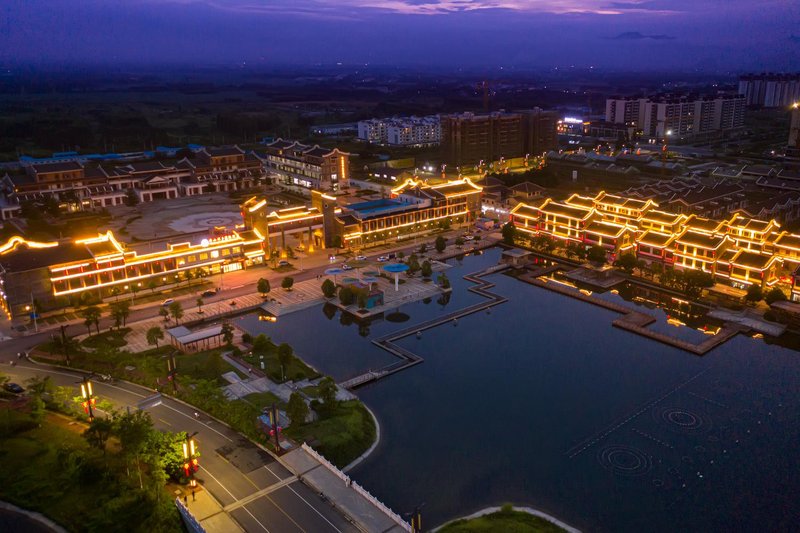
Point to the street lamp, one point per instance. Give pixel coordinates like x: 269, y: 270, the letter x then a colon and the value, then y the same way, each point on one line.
x: 89, y: 399
x: 190, y: 464
x: 172, y: 372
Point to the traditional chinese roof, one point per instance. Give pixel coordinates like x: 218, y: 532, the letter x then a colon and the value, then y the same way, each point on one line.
x: 789, y: 241
x: 525, y: 211
x: 705, y: 225
x: 752, y: 260
x: 564, y: 210
x: 656, y: 239
x: 751, y: 224
x: 578, y: 200
x: 701, y: 240
x: 662, y: 217
x: 620, y: 201
x: 606, y: 229
x: 44, y: 168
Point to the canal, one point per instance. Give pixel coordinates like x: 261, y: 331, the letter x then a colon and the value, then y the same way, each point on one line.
x: 541, y: 402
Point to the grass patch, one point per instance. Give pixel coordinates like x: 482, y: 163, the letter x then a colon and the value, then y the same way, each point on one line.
x: 506, y: 520
x: 296, y: 369
x: 51, y: 469
x: 263, y: 399
x: 341, y: 436
x: 115, y: 338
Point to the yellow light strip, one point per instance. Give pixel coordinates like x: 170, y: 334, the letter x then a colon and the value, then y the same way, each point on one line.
x: 16, y: 240
x: 258, y: 206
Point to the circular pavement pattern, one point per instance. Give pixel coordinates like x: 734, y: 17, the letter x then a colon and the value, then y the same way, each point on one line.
x: 204, y: 221
x: 625, y: 461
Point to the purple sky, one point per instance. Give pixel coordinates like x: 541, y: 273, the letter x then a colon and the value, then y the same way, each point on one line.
x: 627, y: 34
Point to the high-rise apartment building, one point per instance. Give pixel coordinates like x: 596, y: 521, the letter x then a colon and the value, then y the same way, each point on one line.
x: 770, y: 90
x: 678, y: 116
x: 405, y: 131
x: 468, y: 138
x: 794, y: 128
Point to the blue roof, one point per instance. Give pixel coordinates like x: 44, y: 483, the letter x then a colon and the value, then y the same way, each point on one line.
x: 374, y: 206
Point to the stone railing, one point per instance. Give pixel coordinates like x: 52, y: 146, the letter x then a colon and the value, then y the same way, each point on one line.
x: 188, y: 518
x: 358, y: 488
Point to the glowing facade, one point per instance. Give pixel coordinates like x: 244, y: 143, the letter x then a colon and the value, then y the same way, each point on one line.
x: 739, y: 250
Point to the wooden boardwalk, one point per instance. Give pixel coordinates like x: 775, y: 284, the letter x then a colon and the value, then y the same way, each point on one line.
x: 407, y: 358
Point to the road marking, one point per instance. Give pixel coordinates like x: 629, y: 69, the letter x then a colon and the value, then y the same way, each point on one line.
x: 256, y: 495
x: 315, y: 509
x: 203, y: 423
x: 285, y: 513
x: 207, y: 471
x: 77, y: 375
x: 256, y: 519
x: 164, y: 421
x: 273, y: 473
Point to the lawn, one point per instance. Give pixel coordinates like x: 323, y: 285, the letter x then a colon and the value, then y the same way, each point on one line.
x: 115, y: 338
x: 506, y: 520
x: 296, y: 369
x: 51, y: 469
x: 341, y: 437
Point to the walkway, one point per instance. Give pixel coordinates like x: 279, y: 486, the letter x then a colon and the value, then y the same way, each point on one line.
x: 407, y: 358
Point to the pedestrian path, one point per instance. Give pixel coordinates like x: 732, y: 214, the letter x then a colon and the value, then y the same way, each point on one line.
x: 204, y: 510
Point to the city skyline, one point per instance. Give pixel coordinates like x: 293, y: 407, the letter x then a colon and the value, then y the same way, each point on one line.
x: 710, y: 35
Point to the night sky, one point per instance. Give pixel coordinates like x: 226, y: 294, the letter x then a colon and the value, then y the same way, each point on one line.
x: 713, y: 35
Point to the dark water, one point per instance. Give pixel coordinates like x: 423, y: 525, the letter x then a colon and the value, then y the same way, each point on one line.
x: 543, y: 403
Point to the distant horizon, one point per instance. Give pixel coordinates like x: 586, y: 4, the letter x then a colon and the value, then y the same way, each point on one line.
x: 712, y: 36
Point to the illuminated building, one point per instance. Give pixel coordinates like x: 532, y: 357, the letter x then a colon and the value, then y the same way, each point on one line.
x: 770, y: 90
x: 415, y: 207
x: 299, y: 166
x: 401, y: 131
x: 794, y: 127
x: 738, y: 250
x: 284, y: 228
x: 53, y: 274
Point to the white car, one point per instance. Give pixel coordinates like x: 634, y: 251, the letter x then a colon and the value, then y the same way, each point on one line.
x: 345, y: 266
x: 383, y: 259
x: 167, y: 302
x: 361, y: 258
x: 468, y: 237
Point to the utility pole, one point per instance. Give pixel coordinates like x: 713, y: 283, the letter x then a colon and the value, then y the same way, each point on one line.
x: 276, y: 429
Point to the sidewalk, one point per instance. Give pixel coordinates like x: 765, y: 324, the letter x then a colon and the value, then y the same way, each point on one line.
x: 207, y: 512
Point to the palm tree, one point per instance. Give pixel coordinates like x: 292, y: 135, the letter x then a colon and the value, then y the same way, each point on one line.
x: 199, y: 303
x: 176, y: 310
x: 154, y: 335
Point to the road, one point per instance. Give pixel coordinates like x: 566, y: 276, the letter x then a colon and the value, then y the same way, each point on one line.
x: 261, y: 493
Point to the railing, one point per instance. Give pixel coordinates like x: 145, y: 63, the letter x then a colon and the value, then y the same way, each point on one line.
x: 188, y: 518
x: 358, y: 488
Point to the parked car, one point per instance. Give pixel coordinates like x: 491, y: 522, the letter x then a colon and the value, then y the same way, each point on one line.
x: 209, y: 293
x: 345, y: 266
x: 383, y: 259
x: 167, y: 302
x: 283, y: 263
x: 13, y: 387
x: 361, y: 258
x: 468, y: 237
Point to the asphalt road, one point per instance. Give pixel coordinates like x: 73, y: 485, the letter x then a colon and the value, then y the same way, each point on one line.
x: 232, y: 469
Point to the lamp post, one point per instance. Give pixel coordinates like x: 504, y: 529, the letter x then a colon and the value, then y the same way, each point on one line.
x: 190, y: 464
x: 89, y: 399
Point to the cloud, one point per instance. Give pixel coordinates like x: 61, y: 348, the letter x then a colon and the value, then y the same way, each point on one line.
x: 636, y: 36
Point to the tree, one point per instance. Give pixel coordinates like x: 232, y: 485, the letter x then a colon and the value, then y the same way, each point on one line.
x: 459, y: 242
x: 98, y: 432
x: 346, y: 295
x: 284, y: 358
x: 440, y: 244
x: 627, y: 262
x: 423, y: 248
x: 444, y: 281
x: 426, y: 269
x: 263, y: 286
x: 130, y: 198
x: 90, y: 315
x: 296, y: 409
x: 336, y: 242
x: 154, y: 335
x: 327, y: 392
x: 152, y: 283
x: 328, y: 288
x: 120, y: 311
x: 509, y: 233
x: 227, y: 333
x: 694, y: 281
x: 597, y: 254
x: 164, y: 312
x: 413, y: 265
x: 287, y: 283
x: 775, y: 295
x: 754, y: 294
x: 261, y: 344
x: 176, y: 310
x: 214, y: 366
x: 361, y: 297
